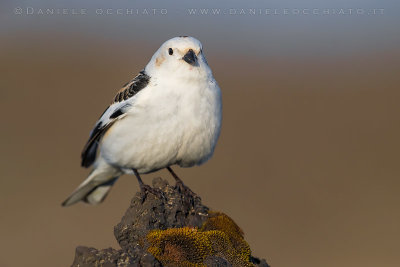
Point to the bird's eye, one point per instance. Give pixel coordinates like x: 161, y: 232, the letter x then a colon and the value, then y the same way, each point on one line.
x: 170, y: 51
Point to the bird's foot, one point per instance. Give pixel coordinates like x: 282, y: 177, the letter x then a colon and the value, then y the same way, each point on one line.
x: 148, y: 189
x: 183, y: 188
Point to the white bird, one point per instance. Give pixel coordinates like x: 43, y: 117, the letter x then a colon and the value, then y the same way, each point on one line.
x: 170, y: 113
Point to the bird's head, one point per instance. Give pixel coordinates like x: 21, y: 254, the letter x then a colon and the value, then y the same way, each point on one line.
x: 179, y: 57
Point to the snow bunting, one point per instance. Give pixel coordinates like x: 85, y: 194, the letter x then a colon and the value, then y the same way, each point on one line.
x: 170, y: 113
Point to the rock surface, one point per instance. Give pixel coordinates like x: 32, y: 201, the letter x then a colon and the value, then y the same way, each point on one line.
x: 176, y: 207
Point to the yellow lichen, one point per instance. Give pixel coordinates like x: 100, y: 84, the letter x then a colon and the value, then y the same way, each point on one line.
x: 189, y: 247
x: 177, y: 246
x: 239, y: 250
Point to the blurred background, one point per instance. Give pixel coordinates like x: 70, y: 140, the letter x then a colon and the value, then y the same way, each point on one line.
x: 308, y: 159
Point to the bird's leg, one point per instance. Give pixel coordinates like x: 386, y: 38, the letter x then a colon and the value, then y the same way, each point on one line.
x: 179, y: 182
x: 177, y: 179
x: 146, y: 188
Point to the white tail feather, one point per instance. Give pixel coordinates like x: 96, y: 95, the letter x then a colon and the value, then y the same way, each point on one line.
x: 93, y: 190
x: 98, y: 195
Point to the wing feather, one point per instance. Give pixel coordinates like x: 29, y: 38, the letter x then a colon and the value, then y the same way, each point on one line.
x: 90, y: 150
x: 116, y: 111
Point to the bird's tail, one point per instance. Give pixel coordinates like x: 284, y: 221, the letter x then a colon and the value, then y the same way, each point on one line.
x: 93, y: 190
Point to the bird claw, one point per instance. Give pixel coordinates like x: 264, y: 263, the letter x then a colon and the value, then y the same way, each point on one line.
x: 183, y: 188
x: 148, y: 189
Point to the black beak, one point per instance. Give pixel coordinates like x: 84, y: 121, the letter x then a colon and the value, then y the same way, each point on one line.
x: 190, y: 57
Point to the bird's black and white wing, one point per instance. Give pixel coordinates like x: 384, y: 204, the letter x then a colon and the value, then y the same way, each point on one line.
x: 114, y: 112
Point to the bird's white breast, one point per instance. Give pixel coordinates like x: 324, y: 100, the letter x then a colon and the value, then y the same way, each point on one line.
x: 169, y: 123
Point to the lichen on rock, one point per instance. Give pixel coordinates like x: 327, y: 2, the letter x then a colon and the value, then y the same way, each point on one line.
x: 218, y: 236
x: 173, y: 230
x: 180, y: 246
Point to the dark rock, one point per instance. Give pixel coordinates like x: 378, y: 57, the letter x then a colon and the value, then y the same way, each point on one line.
x: 177, y: 207
x: 258, y: 262
x: 215, y: 261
